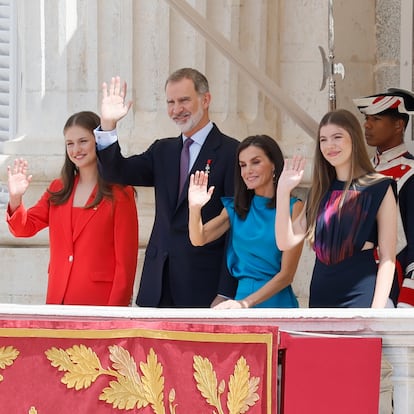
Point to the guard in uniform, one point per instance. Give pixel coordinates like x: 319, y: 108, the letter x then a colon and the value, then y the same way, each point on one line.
x: 386, y: 118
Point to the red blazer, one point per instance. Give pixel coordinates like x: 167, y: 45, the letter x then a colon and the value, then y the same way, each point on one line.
x: 93, y: 255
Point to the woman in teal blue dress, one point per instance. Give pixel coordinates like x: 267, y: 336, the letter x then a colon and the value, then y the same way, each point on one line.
x: 263, y: 272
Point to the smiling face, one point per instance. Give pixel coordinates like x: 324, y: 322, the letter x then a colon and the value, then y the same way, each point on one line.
x: 257, y: 170
x: 80, y: 146
x: 335, y: 144
x: 187, y: 108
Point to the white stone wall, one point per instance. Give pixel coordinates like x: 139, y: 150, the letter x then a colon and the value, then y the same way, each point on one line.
x: 67, y: 48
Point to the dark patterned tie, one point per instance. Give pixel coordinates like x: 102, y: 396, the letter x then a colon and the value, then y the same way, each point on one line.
x: 185, y: 162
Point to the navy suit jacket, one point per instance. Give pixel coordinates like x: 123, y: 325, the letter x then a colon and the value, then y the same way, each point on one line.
x: 196, y: 274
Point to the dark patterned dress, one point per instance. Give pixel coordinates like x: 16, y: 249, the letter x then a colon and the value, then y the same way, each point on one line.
x: 344, y: 275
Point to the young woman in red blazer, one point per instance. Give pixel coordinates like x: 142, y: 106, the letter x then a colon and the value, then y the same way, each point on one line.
x: 93, y: 226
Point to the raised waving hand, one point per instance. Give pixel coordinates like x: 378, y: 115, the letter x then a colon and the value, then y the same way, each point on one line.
x: 289, y: 234
x: 18, y: 182
x: 292, y: 174
x: 113, y: 106
x: 198, y: 194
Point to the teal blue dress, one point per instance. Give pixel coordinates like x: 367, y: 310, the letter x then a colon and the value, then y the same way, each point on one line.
x: 252, y: 254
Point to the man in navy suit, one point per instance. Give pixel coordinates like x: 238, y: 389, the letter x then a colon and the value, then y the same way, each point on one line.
x: 175, y: 273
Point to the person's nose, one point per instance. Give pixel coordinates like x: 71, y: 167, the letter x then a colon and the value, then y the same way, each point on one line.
x: 250, y: 169
x: 177, y: 108
x: 367, y: 124
x: 330, y: 143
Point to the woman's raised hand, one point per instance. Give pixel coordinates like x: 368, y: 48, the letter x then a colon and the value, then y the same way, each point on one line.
x: 198, y: 195
x: 113, y: 107
x: 292, y: 173
x: 18, y: 180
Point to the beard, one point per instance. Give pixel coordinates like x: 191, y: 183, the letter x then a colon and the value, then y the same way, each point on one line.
x: 191, y: 122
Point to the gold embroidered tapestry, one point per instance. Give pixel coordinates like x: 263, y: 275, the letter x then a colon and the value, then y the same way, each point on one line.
x: 75, y: 367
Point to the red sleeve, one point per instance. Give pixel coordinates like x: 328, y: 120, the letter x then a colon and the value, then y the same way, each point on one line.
x: 126, y: 246
x: 26, y: 223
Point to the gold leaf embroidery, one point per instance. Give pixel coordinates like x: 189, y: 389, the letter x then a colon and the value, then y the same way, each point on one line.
x: 171, y: 398
x: 124, y: 363
x: 59, y: 359
x: 124, y: 394
x: 242, y: 389
x: 32, y: 410
x: 253, y: 397
x: 153, y: 382
x: 7, y: 356
x: 207, y: 381
x: 82, y: 368
x: 222, y: 386
x: 238, y: 387
x: 130, y: 390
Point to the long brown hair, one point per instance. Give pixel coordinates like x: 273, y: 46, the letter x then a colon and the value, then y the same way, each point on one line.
x: 88, y: 120
x: 324, y: 173
x: 242, y: 195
